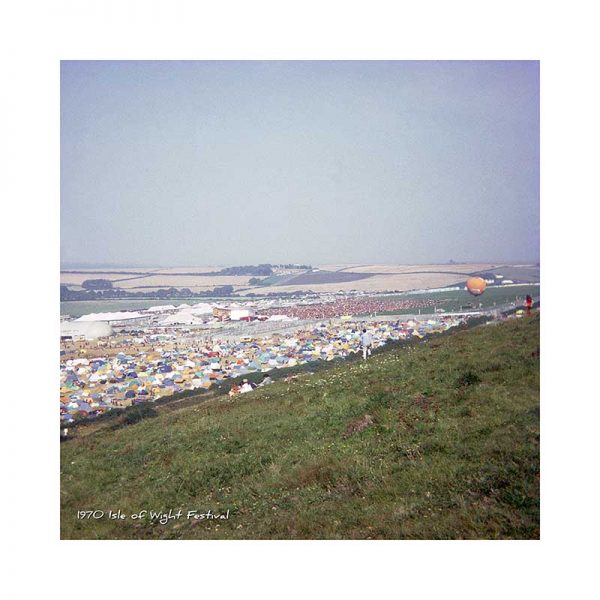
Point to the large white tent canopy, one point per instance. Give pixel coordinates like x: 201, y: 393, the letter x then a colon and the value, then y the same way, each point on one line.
x: 111, y: 316
x: 91, y: 330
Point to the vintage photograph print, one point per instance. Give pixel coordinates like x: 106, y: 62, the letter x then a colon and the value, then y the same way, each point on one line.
x: 299, y: 300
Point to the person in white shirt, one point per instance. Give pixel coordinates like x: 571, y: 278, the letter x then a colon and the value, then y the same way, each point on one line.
x: 366, y: 341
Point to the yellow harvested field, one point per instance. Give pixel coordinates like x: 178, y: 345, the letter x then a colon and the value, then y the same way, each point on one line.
x: 78, y: 278
x: 98, y: 271
x: 337, y: 267
x: 193, y: 288
x: 189, y: 269
x: 125, y: 281
x: 377, y: 283
x: 462, y: 268
x: 184, y: 281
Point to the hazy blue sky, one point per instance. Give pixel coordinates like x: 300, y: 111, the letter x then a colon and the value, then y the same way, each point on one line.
x: 199, y: 163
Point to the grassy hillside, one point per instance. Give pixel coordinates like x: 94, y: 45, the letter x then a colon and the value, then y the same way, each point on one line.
x: 435, y: 441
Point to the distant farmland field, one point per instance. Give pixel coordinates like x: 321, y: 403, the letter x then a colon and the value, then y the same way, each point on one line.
x: 76, y: 279
x: 381, y: 278
x: 333, y: 278
x: 324, y: 277
x: 156, y: 280
x: 185, y: 281
x: 391, y: 269
x: 378, y: 283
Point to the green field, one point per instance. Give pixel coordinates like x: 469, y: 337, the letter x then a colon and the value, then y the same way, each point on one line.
x: 439, y: 440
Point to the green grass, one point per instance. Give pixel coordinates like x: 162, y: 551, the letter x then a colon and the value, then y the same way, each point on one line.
x: 450, y: 451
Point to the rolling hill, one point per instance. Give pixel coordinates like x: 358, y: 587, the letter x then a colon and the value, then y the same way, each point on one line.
x: 438, y: 440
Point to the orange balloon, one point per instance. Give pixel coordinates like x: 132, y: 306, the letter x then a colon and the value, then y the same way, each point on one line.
x: 476, y: 285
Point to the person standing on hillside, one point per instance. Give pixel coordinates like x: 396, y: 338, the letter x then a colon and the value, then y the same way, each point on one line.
x: 366, y: 341
x: 528, y: 304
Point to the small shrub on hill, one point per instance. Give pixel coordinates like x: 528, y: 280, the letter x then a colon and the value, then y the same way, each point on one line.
x: 137, y: 413
x: 467, y: 378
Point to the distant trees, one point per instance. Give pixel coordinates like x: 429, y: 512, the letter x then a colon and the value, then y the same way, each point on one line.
x: 97, y: 284
x: 264, y: 270
x: 223, y: 290
x: 67, y: 294
x: 257, y: 281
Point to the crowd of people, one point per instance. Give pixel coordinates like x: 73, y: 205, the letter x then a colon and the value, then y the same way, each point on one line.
x: 350, y: 306
x: 248, y: 386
